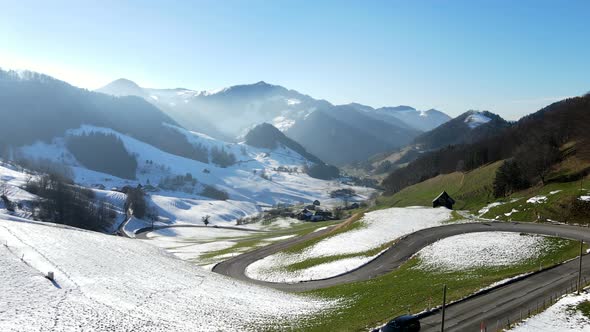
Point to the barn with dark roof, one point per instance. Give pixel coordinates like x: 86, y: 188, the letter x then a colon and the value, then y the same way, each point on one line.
x: 443, y: 200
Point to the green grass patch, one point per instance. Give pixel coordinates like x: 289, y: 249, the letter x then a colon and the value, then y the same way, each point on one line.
x: 410, y: 289
x: 470, y: 190
x: 584, y: 308
x: 555, y: 207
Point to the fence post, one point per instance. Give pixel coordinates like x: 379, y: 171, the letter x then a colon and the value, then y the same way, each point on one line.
x: 580, y: 269
x: 442, y: 321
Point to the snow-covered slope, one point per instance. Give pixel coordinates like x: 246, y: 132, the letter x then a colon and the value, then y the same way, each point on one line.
x: 108, y: 283
x: 479, y: 250
x: 476, y: 119
x: 421, y: 120
x: 234, y: 110
x: 228, y: 112
x: 252, y: 183
x: 376, y: 229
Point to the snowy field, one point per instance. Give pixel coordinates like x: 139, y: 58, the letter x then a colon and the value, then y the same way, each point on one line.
x: 200, y: 244
x: 248, y: 191
x: 478, y: 250
x: 376, y: 229
x: 12, y: 181
x: 562, y: 316
x: 110, y: 283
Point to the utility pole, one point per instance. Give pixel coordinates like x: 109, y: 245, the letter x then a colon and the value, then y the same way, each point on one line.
x: 580, y: 268
x: 442, y: 320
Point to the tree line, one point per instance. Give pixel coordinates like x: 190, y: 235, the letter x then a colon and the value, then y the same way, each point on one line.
x: 62, y: 202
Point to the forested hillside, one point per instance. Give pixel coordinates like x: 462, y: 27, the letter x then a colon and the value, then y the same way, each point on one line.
x: 37, y: 107
x: 534, y: 144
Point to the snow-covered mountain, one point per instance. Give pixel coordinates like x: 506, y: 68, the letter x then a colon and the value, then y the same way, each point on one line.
x: 225, y: 113
x: 112, y: 143
x: 252, y: 104
x: 342, y: 134
x: 229, y: 113
x: 466, y: 128
x: 419, y: 120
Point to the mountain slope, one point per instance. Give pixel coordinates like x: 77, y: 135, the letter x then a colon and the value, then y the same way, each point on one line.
x: 38, y: 107
x: 233, y: 111
x: 268, y: 137
x: 172, y: 101
x: 335, y: 141
x: 229, y: 112
x: 536, y: 143
x: 409, y: 116
x: 111, y: 283
x: 468, y: 127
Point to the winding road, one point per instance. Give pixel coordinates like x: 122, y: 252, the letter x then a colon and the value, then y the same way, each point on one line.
x: 393, y: 257
x: 493, y: 309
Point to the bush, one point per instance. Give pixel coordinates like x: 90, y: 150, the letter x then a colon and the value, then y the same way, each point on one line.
x: 343, y: 193
x: 136, y: 202
x: 222, y: 158
x: 214, y: 193
x: 184, y: 183
x: 576, y: 210
x: 323, y: 171
x: 7, y: 203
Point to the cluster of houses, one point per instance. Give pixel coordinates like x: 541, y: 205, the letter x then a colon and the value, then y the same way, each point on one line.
x: 313, y: 212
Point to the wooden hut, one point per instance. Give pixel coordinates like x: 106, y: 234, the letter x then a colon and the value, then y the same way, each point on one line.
x: 443, y: 200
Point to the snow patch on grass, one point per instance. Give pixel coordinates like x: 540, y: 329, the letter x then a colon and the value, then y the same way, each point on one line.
x: 562, y: 316
x: 488, y: 207
x: 376, y: 229
x: 480, y: 250
x: 270, y: 268
x: 537, y: 200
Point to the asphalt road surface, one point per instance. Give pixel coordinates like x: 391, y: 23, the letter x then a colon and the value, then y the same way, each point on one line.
x: 493, y: 310
x: 392, y: 258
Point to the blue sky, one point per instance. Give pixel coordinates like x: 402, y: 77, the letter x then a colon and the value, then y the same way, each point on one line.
x: 509, y: 57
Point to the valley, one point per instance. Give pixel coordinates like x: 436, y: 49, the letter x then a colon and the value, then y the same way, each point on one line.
x: 258, y: 208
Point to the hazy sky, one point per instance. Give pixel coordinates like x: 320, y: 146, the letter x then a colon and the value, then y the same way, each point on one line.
x: 509, y: 57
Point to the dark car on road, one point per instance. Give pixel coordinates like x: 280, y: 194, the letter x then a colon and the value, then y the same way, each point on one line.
x: 405, y: 323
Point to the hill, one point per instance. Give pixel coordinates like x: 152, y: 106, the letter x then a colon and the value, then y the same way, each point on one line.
x: 470, y: 190
x: 38, y: 107
x: 268, y: 137
x: 545, y: 152
x: 466, y: 128
x: 229, y: 113
x: 143, y: 289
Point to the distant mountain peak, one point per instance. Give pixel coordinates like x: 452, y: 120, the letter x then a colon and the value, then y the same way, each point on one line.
x: 122, y: 87
x: 401, y: 108
x: 124, y: 81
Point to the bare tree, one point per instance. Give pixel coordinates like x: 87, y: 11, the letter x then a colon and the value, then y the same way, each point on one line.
x: 205, y: 220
